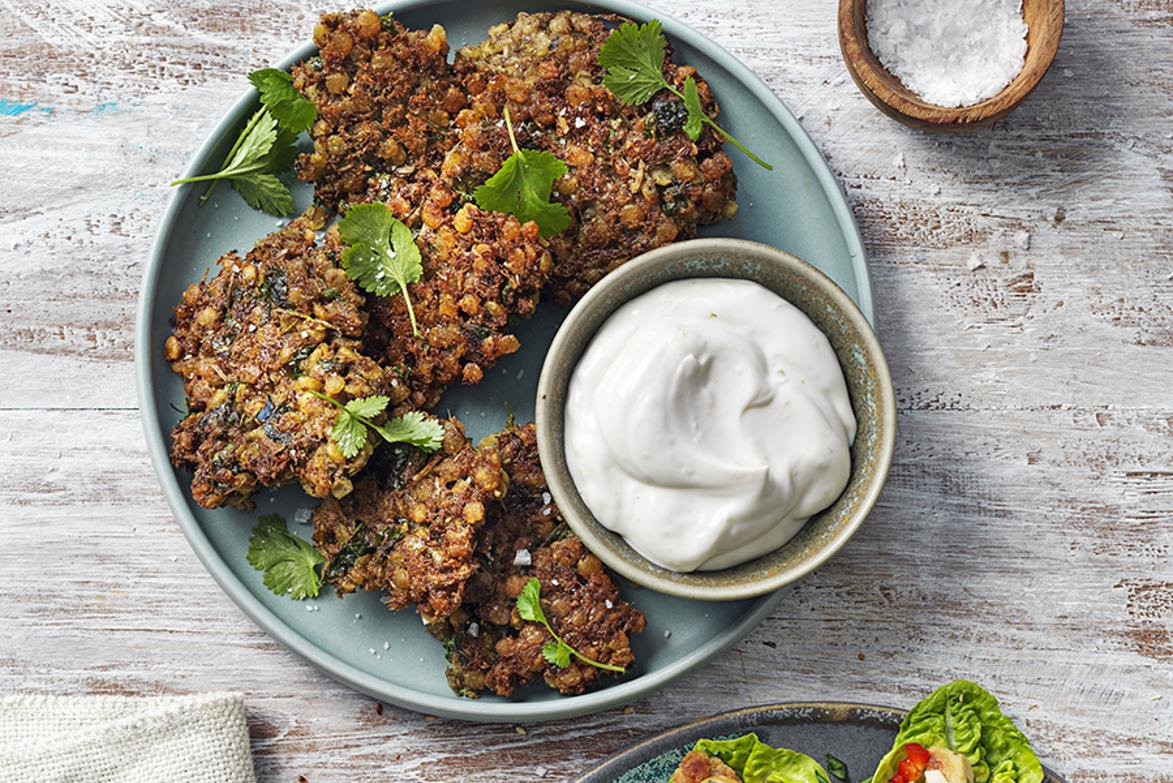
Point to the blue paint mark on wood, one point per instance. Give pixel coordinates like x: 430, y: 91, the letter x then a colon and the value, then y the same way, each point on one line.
x: 14, y: 109
x: 107, y: 107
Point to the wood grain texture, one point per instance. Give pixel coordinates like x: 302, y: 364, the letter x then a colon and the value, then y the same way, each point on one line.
x: 1025, y: 535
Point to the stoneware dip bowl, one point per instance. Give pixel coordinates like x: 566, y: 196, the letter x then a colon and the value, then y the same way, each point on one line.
x: 864, y: 367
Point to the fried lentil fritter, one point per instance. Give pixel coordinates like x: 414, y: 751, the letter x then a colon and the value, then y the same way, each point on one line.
x: 443, y: 533
x: 395, y: 119
x: 480, y: 271
x: 635, y: 180
x: 385, y: 98
x: 409, y: 527
x: 490, y: 646
x: 698, y: 767
x: 249, y: 344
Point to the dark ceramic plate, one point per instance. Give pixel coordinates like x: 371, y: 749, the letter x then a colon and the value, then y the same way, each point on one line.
x: 857, y: 734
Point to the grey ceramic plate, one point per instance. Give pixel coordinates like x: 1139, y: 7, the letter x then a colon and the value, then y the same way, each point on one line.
x: 857, y: 734
x: 798, y: 208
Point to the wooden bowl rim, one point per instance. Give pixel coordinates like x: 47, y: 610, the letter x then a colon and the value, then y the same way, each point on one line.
x: 892, y: 97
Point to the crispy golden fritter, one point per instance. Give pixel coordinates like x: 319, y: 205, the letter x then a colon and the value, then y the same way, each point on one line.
x: 409, y: 527
x: 385, y: 98
x: 698, y: 767
x: 635, y: 180
x: 444, y: 532
x: 480, y: 271
x: 386, y: 101
x: 250, y: 343
x: 490, y: 646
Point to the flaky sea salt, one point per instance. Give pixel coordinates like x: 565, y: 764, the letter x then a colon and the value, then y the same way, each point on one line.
x: 949, y: 52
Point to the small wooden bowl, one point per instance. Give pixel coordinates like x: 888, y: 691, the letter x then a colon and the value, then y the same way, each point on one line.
x: 1044, y: 21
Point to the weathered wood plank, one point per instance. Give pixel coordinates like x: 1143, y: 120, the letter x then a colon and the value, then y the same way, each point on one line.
x: 1064, y: 607
x: 1035, y: 448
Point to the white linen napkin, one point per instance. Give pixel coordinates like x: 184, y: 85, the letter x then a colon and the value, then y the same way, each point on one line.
x: 116, y: 739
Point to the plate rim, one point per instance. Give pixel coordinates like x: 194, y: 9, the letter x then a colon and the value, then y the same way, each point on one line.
x: 287, y: 635
x: 614, y: 760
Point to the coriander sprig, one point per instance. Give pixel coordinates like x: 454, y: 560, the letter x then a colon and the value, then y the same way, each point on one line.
x: 262, y: 150
x: 557, y: 651
x: 266, y: 146
x: 355, y: 419
x: 633, y: 61
x: 382, y: 256
x: 291, y: 565
x: 522, y: 187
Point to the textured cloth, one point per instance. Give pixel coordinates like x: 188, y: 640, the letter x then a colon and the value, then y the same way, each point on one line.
x: 116, y: 739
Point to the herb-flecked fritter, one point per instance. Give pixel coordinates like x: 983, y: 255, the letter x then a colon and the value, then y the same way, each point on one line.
x: 385, y: 98
x: 457, y: 534
x: 410, y: 526
x: 635, y: 180
x: 490, y: 646
x: 249, y: 344
x: 480, y: 271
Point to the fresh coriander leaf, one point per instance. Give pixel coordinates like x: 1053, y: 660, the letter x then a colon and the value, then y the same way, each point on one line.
x: 382, y: 256
x: 633, y: 56
x: 290, y: 564
x: 413, y: 428
x: 633, y: 70
x: 550, y: 652
x: 259, y: 153
x: 557, y: 652
x: 522, y: 187
x: 529, y: 604
x: 266, y: 193
x: 293, y: 112
x: 350, y: 433
x: 836, y: 767
x: 354, y: 419
x: 368, y: 407
x: 696, y: 115
x: 255, y: 145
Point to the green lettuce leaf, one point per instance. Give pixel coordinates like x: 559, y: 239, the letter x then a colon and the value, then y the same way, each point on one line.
x: 965, y: 718
x: 757, y: 762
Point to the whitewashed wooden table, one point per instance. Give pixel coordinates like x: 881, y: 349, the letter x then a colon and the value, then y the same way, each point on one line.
x: 1025, y: 535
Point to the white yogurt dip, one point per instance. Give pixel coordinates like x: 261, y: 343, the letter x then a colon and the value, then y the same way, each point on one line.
x: 706, y: 422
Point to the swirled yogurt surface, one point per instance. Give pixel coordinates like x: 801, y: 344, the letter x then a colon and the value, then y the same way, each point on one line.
x: 706, y: 422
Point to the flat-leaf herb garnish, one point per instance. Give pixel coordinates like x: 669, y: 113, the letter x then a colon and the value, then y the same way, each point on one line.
x: 293, y: 112
x: 292, y: 566
x: 522, y: 187
x: 382, y: 256
x: 266, y: 146
x: 633, y: 61
x: 355, y: 418
x: 261, y: 151
x: 556, y: 651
